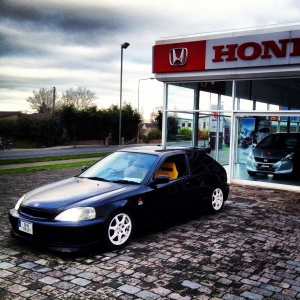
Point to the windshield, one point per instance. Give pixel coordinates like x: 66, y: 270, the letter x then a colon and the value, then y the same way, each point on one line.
x: 279, y: 141
x: 121, y: 167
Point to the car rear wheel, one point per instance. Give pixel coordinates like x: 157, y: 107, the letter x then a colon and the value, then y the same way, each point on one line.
x: 119, y: 229
x: 216, y: 200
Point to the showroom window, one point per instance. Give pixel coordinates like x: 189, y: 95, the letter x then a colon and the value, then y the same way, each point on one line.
x: 232, y: 117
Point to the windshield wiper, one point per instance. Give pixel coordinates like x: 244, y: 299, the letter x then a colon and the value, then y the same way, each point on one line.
x: 95, y: 178
x: 125, y: 181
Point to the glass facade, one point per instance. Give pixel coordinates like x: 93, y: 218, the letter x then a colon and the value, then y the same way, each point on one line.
x: 231, y: 118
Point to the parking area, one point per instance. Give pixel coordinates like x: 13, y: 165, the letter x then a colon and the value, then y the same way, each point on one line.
x: 251, y: 250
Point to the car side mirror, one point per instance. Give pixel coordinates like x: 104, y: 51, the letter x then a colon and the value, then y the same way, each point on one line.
x: 160, y: 179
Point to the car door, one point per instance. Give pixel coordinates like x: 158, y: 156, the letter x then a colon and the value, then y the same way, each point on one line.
x: 201, y: 168
x: 163, y: 200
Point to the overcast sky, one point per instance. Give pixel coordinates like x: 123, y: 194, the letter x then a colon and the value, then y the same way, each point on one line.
x: 67, y: 44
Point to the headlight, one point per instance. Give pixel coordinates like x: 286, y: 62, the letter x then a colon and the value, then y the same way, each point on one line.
x: 17, y: 206
x: 288, y: 157
x: 77, y: 214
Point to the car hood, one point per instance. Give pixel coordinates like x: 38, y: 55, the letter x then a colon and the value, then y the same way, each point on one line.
x: 271, y: 153
x: 71, y: 191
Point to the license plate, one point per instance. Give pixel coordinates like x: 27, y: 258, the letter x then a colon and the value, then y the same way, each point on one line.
x: 265, y: 166
x: 25, y: 226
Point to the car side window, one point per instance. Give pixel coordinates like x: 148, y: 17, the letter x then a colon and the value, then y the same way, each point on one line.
x: 291, y: 142
x: 174, y: 167
x: 199, y: 162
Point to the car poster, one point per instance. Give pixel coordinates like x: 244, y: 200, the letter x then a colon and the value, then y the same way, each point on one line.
x: 246, y: 138
x: 264, y: 129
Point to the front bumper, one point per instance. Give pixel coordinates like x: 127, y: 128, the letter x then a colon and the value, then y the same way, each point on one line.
x: 60, y: 236
x: 281, y: 167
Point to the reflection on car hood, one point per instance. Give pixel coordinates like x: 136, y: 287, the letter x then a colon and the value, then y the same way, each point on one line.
x: 67, y: 192
x: 274, y: 153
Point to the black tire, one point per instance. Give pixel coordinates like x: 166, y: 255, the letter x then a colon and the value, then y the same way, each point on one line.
x: 295, y: 173
x: 216, y: 200
x: 251, y: 173
x: 118, y: 229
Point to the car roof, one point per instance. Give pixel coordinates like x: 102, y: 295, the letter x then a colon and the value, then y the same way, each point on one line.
x: 286, y: 133
x: 159, y: 150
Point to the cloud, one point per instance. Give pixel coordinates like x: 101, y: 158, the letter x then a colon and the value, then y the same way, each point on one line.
x: 66, y: 44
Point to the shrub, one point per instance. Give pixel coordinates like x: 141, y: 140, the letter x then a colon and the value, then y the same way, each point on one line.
x: 154, y: 134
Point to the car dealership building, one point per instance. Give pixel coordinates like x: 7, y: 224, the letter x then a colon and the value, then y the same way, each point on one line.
x: 242, y: 85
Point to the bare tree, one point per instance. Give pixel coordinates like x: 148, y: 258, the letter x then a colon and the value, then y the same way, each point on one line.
x: 44, y: 101
x: 155, y: 112
x: 81, y: 98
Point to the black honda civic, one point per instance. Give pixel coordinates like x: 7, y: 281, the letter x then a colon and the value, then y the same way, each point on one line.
x: 108, y: 201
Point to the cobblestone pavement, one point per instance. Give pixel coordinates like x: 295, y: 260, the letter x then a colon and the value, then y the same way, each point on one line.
x: 251, y: 250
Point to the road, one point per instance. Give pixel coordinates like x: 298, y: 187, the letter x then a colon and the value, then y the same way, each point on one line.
x: 64, y: 150
x: 55, y: 151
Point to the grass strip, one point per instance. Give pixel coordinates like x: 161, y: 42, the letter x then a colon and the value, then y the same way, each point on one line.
x: 47, y: 167
x: 12, y: 161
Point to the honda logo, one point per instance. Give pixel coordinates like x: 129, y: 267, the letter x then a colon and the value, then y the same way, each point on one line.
x: 178, y: 56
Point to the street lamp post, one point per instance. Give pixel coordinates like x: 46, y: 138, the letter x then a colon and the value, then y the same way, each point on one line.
x: 123, y: 46
x: 138, y: 108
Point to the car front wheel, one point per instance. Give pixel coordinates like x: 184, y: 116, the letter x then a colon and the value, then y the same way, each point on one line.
x: 251, y: 173
x: 216, y: 200
x: 118, y: 229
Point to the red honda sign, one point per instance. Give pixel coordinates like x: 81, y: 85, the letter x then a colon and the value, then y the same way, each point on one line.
x: 179, y: 57
x: 253, y: 50
x: 282, y: 48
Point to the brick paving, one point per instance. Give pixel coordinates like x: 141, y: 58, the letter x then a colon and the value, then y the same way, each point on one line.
x: 251, y: 250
